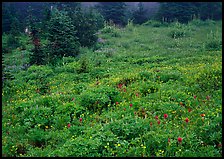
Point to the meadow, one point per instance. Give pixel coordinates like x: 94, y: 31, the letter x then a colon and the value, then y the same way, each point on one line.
x: 144, y: 90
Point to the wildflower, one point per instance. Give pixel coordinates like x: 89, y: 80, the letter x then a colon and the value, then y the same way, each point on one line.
x: 158, y: 122
x: 80, y: 120
x: 187, y: 120
x: 181, y: 103
x: 219, y: 145
x: 135, y: 113
x: 168, y: 139
x: 73, y: 99
x: 195, y: 97
x: 131, y: 105
x: 124, y: 90
x: 189, y: 110
x: 208, y: 97
x: 124, y: 109
x: 165, y: 116
x: 150, y: 123
x: 156, y: 117
x: 119, y: 85
x: 179, y: 139
x: 117, y: 103
x: 69, y: 125
x: 203, y: 115
x: 46, y: 127
x: 137, y: 94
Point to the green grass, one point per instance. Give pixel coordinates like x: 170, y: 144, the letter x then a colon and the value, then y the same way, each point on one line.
x: 142, y: 66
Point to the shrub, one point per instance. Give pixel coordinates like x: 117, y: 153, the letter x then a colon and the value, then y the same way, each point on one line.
x: 213, y: 43
x: 100, y: 98
x: 154, y: 23
x: 210, y: 79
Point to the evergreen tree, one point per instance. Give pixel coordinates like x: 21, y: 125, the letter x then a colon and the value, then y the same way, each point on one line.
x: 37, y: 54
x: 139, y: 15
x: 113, y: 11
x: 46, y: 18
x: 87, y: 23
x: 61, y: 36
x: 185, y: 11
x: 210, y: 10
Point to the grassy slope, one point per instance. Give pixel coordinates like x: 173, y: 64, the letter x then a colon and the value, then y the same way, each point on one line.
x: 158, y: 71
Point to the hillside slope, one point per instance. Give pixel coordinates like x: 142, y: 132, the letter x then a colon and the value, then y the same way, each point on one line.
x: 149, y: 90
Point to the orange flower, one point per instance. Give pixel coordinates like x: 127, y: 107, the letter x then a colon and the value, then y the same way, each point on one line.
x: 203, y: 115
x: 181, y: 103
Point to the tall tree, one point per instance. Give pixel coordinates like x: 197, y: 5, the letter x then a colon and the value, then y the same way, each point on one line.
x: 113, y: 11
x: 184, y: 11
x: 61, y: 36
x: 140, y: 15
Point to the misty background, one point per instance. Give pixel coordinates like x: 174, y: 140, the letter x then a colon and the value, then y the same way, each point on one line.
x: 17, y: 13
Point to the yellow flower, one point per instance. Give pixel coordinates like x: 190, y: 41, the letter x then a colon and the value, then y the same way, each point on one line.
x: 118, y: 145
x: 46, y: 127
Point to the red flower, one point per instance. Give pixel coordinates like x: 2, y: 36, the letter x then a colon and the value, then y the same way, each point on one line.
x: 156, y: 117
x: 195, y: 97
x: 80, y: 120
x: 119, y: 85
x: 69, y: 125
x: 124, y: 90
x: 131, y: 105
x: 73, y: 99
x: 168, y: 139
x: 179, y: 139
x: 165, y: 116
x: 189, y: 110
x: 117, y: 103
x: 219, y: 145
x: 137, y: 94
x: 158, y: 122
x: 150, y: 123
x: 187, y: 120
x: 208, y: 97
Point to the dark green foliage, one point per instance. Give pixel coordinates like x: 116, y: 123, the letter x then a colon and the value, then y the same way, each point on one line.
x: 6, y: 74
x: 37, y: 54
x: 84, y: 68
x: 139, y: 16
x: 186, y: 11
x: 62, y: 40
x: 87, y: 23
x: 10, y: 21
x: 12, y: 42
x: 113, y: 11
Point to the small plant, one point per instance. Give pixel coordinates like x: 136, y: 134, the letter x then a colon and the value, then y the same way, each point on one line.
x: 213, y: 43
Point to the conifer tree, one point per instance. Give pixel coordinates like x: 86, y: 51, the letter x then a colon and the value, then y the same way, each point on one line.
x: 87, y: 23
x: 61, y: 36
x: 139, y: 15
x: 113, y: 11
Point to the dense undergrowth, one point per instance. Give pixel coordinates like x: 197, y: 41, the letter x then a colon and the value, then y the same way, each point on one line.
x: 148, y: 90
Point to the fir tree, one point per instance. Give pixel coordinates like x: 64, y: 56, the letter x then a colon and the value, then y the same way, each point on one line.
x: 61, y: 36
x: 87, y: 23
x: 113, y: 11
x: 139, y: 15
x: 37, y: 54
